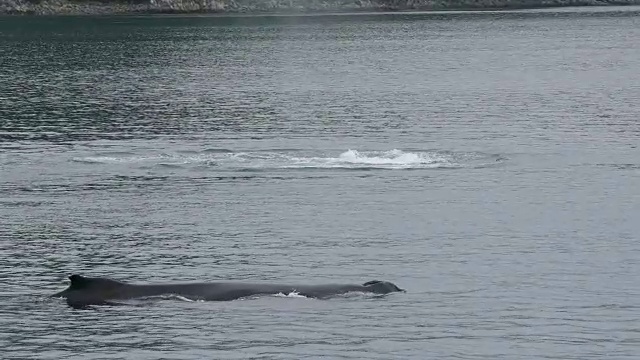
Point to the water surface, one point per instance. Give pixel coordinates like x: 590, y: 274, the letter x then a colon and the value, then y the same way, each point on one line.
x: 486, y: 162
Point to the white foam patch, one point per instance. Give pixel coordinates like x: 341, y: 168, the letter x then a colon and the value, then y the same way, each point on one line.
x: 293, y: 294
x: 173, y: 297
x: 392, y: 159
x: 301, y: 159
x: 119, y: 159
x: 350, y: 159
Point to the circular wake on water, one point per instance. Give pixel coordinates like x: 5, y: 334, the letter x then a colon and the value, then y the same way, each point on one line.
x: 303, y: 159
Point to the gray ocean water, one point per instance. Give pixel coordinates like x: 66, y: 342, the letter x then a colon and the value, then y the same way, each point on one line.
x: 486, y: 162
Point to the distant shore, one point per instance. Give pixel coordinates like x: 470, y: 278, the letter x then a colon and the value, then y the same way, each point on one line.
x: 284, y: 7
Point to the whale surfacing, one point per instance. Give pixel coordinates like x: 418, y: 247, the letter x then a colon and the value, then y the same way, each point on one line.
x: 84, y: 291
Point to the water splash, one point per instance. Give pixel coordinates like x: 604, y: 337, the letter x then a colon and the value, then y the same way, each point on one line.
x: 293, y: 294
x: 392, y: 159
x: 300, y: 159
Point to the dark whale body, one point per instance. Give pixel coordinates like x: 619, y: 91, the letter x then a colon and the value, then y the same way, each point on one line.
x: 84, y: 291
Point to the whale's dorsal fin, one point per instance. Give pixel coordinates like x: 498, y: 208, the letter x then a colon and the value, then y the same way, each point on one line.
x: 78, y: 282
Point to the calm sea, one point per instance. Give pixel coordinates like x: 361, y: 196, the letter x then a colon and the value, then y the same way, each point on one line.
x: 486, y: 162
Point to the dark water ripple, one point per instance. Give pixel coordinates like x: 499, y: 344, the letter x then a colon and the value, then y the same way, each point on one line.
x: 487, y: 162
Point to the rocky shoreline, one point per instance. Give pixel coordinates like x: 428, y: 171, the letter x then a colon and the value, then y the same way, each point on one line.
x: 107, y: 7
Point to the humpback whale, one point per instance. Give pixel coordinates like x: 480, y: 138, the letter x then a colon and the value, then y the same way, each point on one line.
x: 84, y: 291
